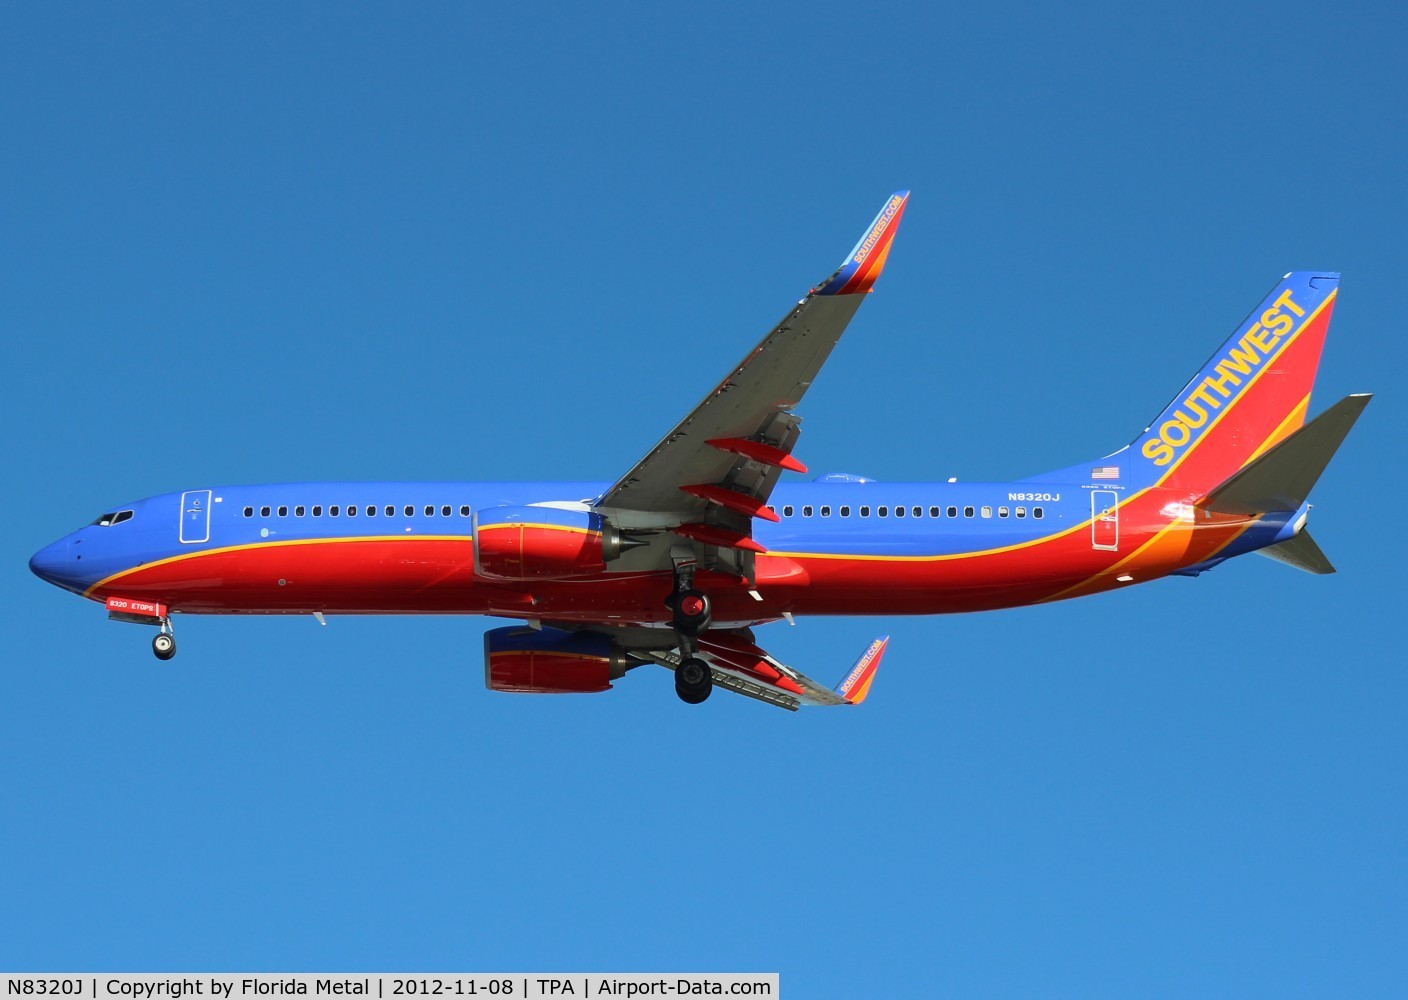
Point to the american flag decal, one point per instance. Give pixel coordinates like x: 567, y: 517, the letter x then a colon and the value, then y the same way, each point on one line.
x: 1105, y: 472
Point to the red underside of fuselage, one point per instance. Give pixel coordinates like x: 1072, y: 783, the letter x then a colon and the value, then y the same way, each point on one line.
x: 435, y: 576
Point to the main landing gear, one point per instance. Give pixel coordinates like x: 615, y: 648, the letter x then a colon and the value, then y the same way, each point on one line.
x: 690, y: 615
x: 693, y: 681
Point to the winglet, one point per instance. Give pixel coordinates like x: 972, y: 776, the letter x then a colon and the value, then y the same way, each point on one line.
x: 867, y: 258
x: 857, y: 683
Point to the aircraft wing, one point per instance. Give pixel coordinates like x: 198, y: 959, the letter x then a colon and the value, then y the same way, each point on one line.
x: 739, y: 665
x: 713, y: 473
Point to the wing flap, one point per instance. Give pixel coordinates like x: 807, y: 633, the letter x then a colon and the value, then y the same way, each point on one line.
x: 739, y: 438
x: 750, y: 405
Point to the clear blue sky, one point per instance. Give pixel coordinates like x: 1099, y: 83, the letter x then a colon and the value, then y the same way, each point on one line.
x: 451, y: 241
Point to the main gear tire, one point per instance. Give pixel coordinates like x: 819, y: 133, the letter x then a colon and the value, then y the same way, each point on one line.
x: 693, y: 681
x: 692, y: 612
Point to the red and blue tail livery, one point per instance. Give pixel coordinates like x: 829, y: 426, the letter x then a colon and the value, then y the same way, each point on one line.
x: 1250, y: 395
x: 678, y: 561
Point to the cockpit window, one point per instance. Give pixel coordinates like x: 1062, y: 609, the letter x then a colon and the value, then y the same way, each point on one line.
x: 116, y: 517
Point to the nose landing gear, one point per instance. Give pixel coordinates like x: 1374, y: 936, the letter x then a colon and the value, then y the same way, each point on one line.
x: 144, y: 612
x: 164, y: 644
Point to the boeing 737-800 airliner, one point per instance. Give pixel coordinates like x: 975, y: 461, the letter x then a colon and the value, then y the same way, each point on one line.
x: 675, y: 562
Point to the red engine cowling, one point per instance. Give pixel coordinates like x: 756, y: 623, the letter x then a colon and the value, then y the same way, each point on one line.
x: 542, y: 543
x: 549, y: 661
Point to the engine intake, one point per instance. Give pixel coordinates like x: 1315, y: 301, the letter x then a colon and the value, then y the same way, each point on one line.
x: 543, y: 543
x: 550, y: 661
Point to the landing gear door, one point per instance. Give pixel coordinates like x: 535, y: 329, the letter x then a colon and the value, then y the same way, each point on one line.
x: 195, y: 516
x: 1104, y: 520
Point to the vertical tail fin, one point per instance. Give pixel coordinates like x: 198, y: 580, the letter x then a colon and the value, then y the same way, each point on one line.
x: 1248, y: 397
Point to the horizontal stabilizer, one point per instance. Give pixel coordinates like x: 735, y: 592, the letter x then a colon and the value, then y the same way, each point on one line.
x: 1300, y: 552
x: 1281, y: 479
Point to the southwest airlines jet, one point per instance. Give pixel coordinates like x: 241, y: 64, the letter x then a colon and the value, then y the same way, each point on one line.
x: 676, y: 561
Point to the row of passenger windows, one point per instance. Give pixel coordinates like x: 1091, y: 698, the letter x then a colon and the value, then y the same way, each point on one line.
x: 845, y: 511
x: 352, y: 510
x: 409, y: 510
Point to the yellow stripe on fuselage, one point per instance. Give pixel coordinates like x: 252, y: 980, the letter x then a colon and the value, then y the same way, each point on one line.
x: 529, y: 524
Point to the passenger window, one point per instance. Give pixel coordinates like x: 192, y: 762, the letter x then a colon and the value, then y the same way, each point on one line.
x: 249, y: 512
x: 283, y: 511
x: 317, y: 510
x: 334, y: 510
x: 787, y: 511
x: 1038, y: 513
x: 917, y: 511
x: 845, y: 511
x: 351, y: 510
x: 299, y: 511
x: 933, y: 512
x: 987, y: 511
x: 1021, y: 512
x: 882, y: 511
x: 390, y: 511
x: 445, y: 511
x: 410, y: 511
x: 967, y: 511
x: 807, y: 510
x: 953, y: 512
x: 1002, y: 512
x: 899, y: 512
x: 429, y: 511
x: 464, y: 510
x: 263, y: 511
x: 826, y: 511
x: 865, y: 512
x: 371, y: 510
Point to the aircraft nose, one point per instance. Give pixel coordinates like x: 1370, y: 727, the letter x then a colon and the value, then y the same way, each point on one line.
x: 51, y: 563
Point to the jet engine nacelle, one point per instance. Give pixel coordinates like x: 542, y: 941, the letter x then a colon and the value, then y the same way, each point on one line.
x: 550, y: 661
x: 542, y: 543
